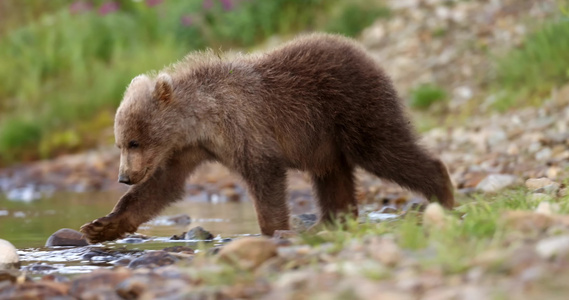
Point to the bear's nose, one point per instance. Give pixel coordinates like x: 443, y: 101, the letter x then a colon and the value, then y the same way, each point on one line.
x: 124, y: 179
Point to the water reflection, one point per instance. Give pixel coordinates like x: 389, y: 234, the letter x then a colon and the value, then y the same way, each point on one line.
x: 29, y: 224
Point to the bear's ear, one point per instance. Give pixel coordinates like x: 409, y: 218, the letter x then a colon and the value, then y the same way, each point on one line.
x: 139, y: 77
x: 163, y: 89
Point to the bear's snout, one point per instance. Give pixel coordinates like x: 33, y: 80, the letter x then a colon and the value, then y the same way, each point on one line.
x: 124, y: 179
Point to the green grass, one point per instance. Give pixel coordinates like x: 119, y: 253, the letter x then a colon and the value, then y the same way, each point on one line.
x: 472, y: 229
x: 425, y: 95
x: 353, y: 17
x: 527, y: 74
x: 60, y: 71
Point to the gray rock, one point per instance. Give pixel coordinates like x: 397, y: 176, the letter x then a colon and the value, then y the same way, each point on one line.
x: 543, y: 185
x: 303, y: 221
x: 389, y: 209
x: 495, y: 182
x: 198, y: 233
x: 9, y: 258
x: 553, y: 246
x: 41, y: 268
x: 66, y: 237
x: 153, y: 259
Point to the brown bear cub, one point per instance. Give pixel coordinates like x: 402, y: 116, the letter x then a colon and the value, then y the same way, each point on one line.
x: 319, y: 103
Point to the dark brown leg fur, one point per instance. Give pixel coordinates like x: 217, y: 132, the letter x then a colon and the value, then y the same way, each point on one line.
x: 335, y: 192
x: 144, y: 201
x: 413, y: 168
x: 267, y: 187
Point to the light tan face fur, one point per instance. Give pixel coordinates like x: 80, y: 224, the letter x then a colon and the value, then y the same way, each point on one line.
x: 136, y: 134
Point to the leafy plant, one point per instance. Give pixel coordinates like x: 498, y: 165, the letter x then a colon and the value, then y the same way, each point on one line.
x: 425, y: 95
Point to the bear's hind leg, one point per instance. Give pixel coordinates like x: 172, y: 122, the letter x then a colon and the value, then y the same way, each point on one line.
x: 412, y: 167
x: 335, y: 192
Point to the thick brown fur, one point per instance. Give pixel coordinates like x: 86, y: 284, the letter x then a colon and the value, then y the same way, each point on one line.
x: 318, y: 104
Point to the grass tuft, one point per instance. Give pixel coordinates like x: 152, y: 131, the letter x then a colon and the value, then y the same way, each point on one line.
x: 527, y: 74
x: 423, y: 96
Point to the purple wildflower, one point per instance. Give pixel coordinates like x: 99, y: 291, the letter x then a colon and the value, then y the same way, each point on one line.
x: 187, y: 20
x: 227, y: 4
x: 78, y: 7
x: 108, y: 7
x: 207, y: 4
x: 151, y: 3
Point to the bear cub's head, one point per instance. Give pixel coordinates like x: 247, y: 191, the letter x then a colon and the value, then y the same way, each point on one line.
x: 143, y: 127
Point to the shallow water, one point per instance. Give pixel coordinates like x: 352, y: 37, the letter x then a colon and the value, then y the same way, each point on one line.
x: 28, y: 225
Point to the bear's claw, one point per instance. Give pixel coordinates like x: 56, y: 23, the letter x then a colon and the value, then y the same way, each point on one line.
x: 106, y: 228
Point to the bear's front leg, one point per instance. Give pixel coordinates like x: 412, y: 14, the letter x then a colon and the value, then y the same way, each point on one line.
x: 145, y: 200
x: 142, y: 202
x: 267, y: 187
x: 111, y: 227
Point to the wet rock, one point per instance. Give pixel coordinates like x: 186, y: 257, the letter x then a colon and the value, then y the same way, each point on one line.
x: 43, y: 268
x: 130, y: 240
x: 35, y: 290
x: 138, y: 236
x: 123, y: 262
x: 388, y: 210
x: 380, y: 217
x: 179, y: 249
x: 553, y: 247
x: 198, y: 233
x: 495, y: 182
x: 9, y: 258
x: 181, y: 219
x: 101, y: 281
x: 303, y: 221
x: 66, y: 237
x: 102, y: 255
x: 153, y: 259
x: 434, y: 216
x: 248, y: 253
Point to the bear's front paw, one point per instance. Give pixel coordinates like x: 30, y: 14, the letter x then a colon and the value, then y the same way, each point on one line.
x: 107, y: 228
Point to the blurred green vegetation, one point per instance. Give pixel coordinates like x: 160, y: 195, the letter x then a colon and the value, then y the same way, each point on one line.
x: 65, y: 64
x: 423, y: 96
x: 526, y: 75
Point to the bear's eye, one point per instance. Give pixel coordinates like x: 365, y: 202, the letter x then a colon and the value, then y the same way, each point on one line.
x: 133, y: 145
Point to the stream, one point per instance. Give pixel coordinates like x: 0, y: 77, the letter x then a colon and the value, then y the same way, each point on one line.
x: 28, y: 224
